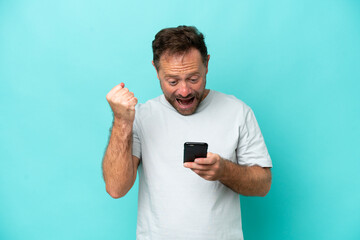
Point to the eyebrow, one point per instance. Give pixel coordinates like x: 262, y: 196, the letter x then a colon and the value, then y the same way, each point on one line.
x: 177, y: 76
x: 171, y: 76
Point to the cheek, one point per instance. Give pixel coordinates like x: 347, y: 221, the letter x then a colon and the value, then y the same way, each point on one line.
x: 200, y: 86
x: 168, y: 90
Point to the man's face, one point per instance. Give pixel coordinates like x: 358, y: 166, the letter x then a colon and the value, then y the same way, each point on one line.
x: 183, y: 79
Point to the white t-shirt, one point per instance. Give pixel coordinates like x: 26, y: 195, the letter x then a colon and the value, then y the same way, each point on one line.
x: 174, y: 202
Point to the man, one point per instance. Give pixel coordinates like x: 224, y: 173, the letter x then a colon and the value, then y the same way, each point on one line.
x: 193, y: 200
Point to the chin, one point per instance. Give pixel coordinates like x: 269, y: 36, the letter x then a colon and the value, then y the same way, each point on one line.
x: 185, y: 113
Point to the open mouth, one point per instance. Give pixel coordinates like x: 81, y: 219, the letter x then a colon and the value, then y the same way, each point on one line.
x: 185, y: 102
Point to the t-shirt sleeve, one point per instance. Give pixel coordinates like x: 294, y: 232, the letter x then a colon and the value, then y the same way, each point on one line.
x: 136, y: 144
x: 251, y: 148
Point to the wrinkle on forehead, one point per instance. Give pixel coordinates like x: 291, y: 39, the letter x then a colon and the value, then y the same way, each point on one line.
x: 181, y: 62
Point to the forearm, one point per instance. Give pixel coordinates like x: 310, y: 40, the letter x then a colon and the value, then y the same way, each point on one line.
x: 246, y: 180
x: 118, y: 167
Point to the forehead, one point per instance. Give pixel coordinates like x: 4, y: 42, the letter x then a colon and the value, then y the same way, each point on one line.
x: 180, y: 63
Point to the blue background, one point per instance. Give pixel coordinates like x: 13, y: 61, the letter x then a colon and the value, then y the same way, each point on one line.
x: 296, y: 63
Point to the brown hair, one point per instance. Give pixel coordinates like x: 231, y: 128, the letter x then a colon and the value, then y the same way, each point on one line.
x: 178, y: 40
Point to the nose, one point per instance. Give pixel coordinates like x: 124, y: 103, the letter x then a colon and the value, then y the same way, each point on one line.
x: 184, y: 89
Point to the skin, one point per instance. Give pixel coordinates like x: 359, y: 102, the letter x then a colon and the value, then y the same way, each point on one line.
x: 182, y: 80
x: 183, y: 77
x: 245, y: 180
x: 119, y: 166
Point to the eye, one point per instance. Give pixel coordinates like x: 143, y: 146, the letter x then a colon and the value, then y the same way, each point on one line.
x: 172, y: 82
x: 194, y: 79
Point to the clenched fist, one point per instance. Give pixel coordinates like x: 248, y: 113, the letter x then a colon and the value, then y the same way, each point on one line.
x: 122, y: 103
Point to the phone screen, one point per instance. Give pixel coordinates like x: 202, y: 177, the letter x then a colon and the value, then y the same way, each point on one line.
x: 194, y: 150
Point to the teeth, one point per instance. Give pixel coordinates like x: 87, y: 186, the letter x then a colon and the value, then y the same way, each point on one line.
x: 185, y: 101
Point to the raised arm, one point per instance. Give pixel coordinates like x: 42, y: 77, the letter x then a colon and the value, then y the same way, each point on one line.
x: 119, y: 166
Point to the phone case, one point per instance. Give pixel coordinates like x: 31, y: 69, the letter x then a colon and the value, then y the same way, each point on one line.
x: 194, y: 150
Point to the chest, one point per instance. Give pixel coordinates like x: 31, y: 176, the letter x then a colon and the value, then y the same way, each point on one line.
x: 164, y: 135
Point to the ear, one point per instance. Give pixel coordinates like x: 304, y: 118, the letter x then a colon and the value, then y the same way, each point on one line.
x: 207, y: 63
x: 157, y: 73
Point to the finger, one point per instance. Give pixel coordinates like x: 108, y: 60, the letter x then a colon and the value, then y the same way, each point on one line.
x: 128, y: 95
x: 205, y: 175
x: 205, y: 161
x: 202, y: 173
x: 115, y: 89
x: 133, y: 101
x: 208, y: 177
x: 194, y: 166
x: 188, y: 164
x: 121, y: 93
x: 204, y: 167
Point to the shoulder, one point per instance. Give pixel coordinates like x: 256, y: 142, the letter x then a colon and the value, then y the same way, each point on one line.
x: 147, y: 109
x: 233, y: 108
x: 148, y: 104
x: 230, y: 102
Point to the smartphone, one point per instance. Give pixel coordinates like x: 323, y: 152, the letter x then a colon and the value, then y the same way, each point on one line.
x: 194, y: 150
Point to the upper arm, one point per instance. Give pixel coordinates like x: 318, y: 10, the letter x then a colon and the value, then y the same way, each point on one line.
x: 251, y: 149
